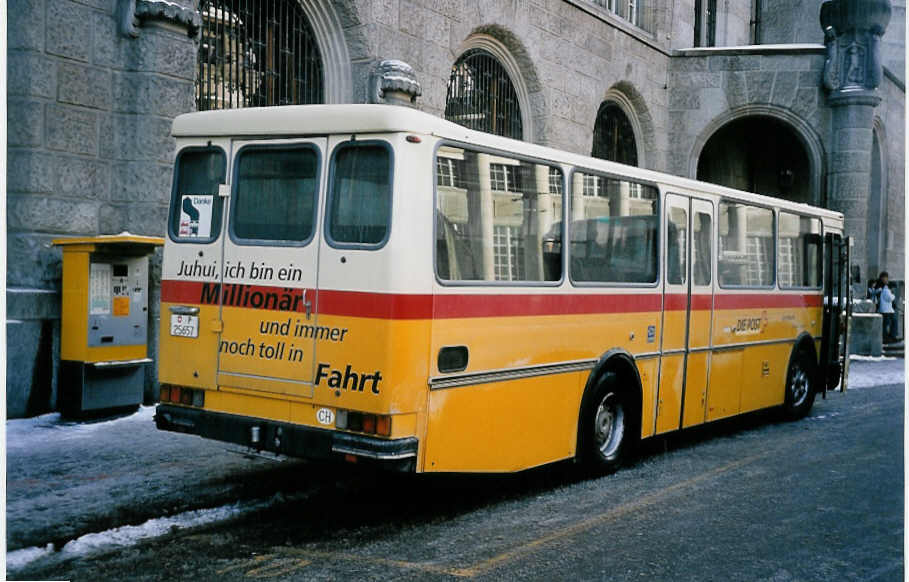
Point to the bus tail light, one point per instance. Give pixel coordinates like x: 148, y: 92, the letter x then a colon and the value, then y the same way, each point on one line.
x: 181, y: 395
x: 383, y: 425
x: 378, y: 424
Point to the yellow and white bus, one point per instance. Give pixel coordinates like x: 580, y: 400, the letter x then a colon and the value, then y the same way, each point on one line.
x: 372, y: 283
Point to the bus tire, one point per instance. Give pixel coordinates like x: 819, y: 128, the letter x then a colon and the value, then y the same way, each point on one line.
x: 800, y: 384
x: 605, y: 426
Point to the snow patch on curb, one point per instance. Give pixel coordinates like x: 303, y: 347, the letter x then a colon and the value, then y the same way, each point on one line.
x: 18, y: 559
x: 872, y: 371
x: 129, y: 535
x: 26, y: 432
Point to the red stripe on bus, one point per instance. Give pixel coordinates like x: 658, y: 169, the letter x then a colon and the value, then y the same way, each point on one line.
x: 702, y: 302
x: 181, y: 291
x: 448, y: 306
x: 375, y: 305
x: 676, y: 302
x: 679, y: 302
x: 451, y: 306
x: 767, y: 300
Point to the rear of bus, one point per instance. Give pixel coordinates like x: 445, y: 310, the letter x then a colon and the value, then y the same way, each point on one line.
x: 286, y: 324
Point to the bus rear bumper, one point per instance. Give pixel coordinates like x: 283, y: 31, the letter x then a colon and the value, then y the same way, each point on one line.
x: 286, y: 438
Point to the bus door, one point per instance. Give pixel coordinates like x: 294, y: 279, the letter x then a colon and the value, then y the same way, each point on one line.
x: 269, y: 277
x: 687, y: 313
x: 834, y: 360
x: 700, y: 316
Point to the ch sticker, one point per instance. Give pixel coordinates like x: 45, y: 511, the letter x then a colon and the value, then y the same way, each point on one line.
x: 325, y: 416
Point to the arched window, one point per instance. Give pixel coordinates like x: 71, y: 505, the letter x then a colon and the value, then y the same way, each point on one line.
x: 481, y: 95
x: 255, y: 53
x: 613, y: 137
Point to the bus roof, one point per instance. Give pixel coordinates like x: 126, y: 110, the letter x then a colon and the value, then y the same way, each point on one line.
x: 311, y: 120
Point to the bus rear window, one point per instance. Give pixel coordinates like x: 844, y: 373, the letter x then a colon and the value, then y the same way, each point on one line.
x: 195, y: 208
x: 276, y: 191
x: 360, y: 207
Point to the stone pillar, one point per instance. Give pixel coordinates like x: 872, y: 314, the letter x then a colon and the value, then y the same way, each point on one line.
x: 852, y: 72
x: 156, y: 86
x: 92, y: 89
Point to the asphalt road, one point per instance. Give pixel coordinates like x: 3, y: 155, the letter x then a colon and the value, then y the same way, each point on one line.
x: 753, y: 499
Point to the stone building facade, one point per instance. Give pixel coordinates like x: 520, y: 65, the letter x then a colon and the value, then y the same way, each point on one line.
x: 738, y: 92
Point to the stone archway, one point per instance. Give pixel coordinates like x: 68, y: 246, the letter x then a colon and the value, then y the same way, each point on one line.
x: 761, y: 152
x: 332, y: 44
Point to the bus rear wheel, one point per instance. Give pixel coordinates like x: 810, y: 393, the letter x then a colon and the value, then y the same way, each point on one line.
x: 605, y: 426
x: 800, y: 387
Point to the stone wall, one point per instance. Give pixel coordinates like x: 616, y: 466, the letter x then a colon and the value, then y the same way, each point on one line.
x: 733, y: 23
x: 681, y: 24
x: 89, y: 152
x: 893, y: 43
x: 568, y: 59
x: 786, y: 22
x: 892, y: 114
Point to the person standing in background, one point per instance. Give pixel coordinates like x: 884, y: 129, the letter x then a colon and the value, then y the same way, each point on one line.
x: 883, y: 299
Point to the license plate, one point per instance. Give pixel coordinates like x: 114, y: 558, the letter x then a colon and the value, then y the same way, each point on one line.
x: 184, y: 325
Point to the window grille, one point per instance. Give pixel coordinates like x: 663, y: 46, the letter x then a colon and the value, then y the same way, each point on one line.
x: 481, y: 96
x: 501, y: 177
x: 788, y: 260
x: 256, y: 53
x: 592, y: 185
x: 613, y: 137
x: 630, y: 10
x: 446, y: 172
x: 758, y: 267
x: 509, y: 253
x: 555, y: 181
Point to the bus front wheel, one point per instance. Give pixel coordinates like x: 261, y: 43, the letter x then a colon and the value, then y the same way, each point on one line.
x: 605, y: 426
x: 799, y: 385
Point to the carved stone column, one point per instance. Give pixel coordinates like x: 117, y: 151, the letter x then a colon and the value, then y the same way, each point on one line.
x: 852, y: 34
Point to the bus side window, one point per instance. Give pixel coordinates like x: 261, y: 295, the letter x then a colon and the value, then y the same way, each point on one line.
x: 747, y: 251
x: 799, y: 253
x: 677, y: 246
x: 494, y: 217
x: 613, y: 231
x: 701, y: 251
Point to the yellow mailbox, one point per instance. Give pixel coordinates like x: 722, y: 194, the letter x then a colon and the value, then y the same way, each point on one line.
x: 104, y: 329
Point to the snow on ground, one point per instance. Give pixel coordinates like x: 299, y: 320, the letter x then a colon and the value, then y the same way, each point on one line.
x: 131, y: 534
x: 28, y: 432
x: 18, y: 559
x: 869, y: 371
x: 63, y: 476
